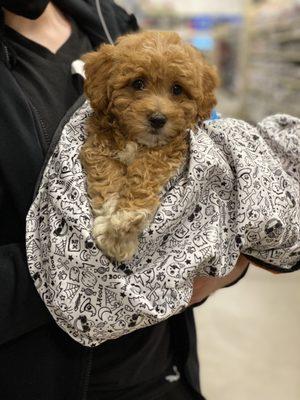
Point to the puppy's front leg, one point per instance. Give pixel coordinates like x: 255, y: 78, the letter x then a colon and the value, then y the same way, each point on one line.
x: 120, y: 240
x: 127, y: 217
x: 136, y: 205
x: 105, y: 178
x: 140, y: 196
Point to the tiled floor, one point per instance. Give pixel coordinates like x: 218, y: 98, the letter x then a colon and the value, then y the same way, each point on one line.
x: 249, y: 339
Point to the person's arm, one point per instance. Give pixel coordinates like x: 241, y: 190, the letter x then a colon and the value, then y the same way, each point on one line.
x: 21, y: 309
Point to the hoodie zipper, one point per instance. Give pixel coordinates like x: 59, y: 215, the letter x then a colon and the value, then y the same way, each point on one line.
x: 42, y: 124
x: 87, y: 375
x: 6, y: 54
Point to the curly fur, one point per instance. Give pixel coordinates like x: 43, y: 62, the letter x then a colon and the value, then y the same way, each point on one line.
x: 127, y: 161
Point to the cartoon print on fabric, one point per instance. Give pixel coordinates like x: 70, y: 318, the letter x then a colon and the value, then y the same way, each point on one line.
x: 238, y: 192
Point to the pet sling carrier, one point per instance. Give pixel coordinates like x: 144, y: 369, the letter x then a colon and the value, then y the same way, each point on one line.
x: 239, y: 192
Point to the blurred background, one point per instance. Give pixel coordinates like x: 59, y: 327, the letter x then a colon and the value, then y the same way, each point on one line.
x: 248, y: 334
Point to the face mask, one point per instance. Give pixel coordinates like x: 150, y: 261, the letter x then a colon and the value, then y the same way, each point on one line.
x: 28, y: 9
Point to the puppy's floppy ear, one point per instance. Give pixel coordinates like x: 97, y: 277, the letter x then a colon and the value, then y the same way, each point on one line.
x: 208, y: 80
x: 210, y: 83
x: 98, y: 68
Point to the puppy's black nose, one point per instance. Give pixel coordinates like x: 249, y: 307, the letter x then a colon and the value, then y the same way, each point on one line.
x: 157, y: 120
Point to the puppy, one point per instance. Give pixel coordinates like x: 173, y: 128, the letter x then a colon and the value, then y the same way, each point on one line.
x: 146, y: 92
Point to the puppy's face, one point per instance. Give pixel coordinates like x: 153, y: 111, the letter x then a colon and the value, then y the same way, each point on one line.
x: 153, y: 84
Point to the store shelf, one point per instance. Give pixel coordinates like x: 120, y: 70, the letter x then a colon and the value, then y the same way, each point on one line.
x: 277, y: 55
x: 273, y: 68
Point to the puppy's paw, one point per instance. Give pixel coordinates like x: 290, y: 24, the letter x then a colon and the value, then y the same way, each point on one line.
x: 101, y: 224
x: 115, y: 245
x: 129, y: 222
x: 119, y: 248
x: 102, y: 219
x: 117, y: 235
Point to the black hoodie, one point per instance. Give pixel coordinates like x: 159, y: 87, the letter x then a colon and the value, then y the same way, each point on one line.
x: 37, y: 360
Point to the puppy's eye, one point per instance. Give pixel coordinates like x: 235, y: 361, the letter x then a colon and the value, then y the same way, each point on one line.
x: 177, y: 90
x: 138, y: 84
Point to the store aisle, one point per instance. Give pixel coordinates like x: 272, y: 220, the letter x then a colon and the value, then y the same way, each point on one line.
x: 249, y: 339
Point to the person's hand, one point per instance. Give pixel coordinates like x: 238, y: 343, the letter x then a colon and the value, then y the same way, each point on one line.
x: 205, y: 286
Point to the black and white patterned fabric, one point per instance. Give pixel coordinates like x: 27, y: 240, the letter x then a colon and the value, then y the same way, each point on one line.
x: 238, y: 193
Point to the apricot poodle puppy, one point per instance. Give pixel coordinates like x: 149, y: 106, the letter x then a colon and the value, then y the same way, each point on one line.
x: 146, y: 92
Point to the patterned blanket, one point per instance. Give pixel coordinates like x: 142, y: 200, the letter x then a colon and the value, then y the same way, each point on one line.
x: 238, y: 193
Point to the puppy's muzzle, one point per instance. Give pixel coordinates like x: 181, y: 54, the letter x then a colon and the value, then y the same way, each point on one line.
x: 157, y: 120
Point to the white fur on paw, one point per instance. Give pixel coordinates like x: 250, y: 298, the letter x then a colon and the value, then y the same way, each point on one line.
x: 117, y: 234
x: 100, y: 225
x: 114, y: 244
x: 125, y: 222
x: 102, y: 219
x: 120, y: 248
